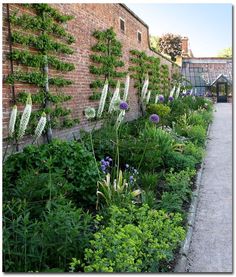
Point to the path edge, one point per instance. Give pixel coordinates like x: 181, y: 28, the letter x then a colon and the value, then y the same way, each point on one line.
x: 183, y: 252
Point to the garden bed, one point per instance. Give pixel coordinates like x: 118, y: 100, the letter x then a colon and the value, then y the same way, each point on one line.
x: 115, y: 201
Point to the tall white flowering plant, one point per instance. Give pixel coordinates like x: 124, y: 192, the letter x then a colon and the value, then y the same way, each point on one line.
x: 25, y: 117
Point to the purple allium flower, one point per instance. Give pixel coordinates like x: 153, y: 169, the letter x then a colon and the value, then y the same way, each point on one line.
x: 124, y: 105
x: 154, y: 118
x: 161, y: 98
x: 103, y: 167
x: 171, y: 98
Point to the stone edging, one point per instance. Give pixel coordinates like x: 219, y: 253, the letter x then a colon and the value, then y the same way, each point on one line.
x: 182, y: 260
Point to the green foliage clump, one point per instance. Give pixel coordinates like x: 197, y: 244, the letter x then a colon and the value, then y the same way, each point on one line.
x: 134, y: 240
x: 46, y: 242
x: 190, y: 149
x: 177, y: 191
x: 161, y: 110
x: 70, y: 160
x: 197, y: 133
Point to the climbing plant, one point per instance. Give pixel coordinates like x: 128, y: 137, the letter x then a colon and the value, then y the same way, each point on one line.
x: 43, y: 33
x: 106, y: 59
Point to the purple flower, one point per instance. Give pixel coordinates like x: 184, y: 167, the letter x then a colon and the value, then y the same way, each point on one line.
x: 154, y: 118
x: 161, y: 98
x: 103, y: 168
x: 110, y: 160
x: 171, y: 98
x: 124, y: 105
x: 131, y: 178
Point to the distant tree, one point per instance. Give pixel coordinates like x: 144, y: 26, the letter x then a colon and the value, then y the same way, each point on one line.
x: 225, y: 53
x: 154, y: 43
x: 171, y: 45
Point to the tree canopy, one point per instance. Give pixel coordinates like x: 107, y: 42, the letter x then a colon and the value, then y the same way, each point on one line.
x: 171, y: 45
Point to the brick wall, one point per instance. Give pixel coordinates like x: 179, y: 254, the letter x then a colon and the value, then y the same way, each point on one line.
x: 88, y: 18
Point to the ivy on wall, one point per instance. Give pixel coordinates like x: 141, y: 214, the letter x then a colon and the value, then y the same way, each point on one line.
x: 44, y: 33
x: 106, y: 59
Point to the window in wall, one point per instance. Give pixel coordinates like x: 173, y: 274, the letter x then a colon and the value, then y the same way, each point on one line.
x: 139, y: 36
x: 122, y: 24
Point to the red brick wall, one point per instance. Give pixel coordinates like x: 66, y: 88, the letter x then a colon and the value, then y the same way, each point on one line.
x: 88, y: 18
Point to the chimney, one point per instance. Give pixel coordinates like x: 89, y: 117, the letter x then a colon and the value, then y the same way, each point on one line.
x: 185, y: 50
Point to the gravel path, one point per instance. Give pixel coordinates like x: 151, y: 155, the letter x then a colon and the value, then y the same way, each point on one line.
x: 211, y: 246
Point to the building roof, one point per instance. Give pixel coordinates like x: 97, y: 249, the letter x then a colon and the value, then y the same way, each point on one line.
x: 221, y: 77
x: 201, y: 74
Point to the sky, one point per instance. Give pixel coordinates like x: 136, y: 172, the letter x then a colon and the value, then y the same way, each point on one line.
x: 208, y: 26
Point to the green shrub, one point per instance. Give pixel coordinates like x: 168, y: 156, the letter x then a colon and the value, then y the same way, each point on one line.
x: 197, y: 119
x: 178, y: 161
x: 197, y: 134
x: 71, y: 165
x: 171, y: 202
x: 193, y: 150
x: 161, y: 110
x: 44, y: 243
x: 149, y: 181
x: 179, y: 183
x: 134, y: 240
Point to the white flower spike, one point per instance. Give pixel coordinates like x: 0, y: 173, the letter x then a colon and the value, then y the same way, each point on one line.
x: 40, y: 127
x: 103, y: 99
x: 115, y: 100
x: 126, y: 91
x: 12, y: 121
x: 25, y: 117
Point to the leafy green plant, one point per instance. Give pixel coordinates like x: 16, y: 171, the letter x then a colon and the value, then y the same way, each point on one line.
x: 149, y: 181
x: 134, y: 240
x: 197, y: 133
x: 171, y: 202
x: 44, y: 244
x: 161, y: 110
x: 116, y: 192
x: 77, y: 168
x: 193, y: 150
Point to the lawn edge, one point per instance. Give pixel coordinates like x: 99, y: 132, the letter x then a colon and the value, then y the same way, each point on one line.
x: 181, y: 263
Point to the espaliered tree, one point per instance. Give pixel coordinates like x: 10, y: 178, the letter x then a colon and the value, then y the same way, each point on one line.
x: 106, y: 58
x: 164, y: 80
x: 45, y: 35
x: 143, y: 65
